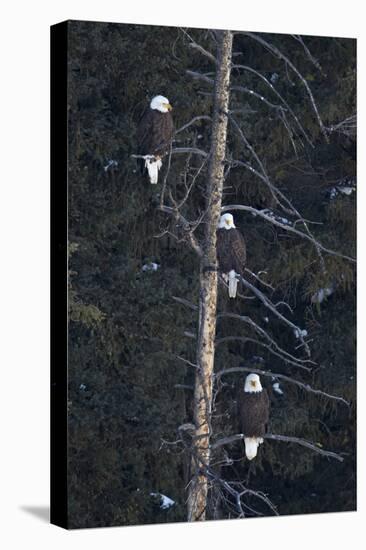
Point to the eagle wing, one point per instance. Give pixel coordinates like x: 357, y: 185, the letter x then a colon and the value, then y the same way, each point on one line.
x: 253, y: 412
x: 238, y: 250
x: 155, y: 133
x: 144, y: 132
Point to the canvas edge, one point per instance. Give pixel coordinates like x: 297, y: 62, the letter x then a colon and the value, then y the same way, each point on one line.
x: 59, y: 320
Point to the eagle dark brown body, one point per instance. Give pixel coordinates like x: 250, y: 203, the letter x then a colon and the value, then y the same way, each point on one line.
x: 231, y: 250
x: 155, y: 133
x: 253, y: 412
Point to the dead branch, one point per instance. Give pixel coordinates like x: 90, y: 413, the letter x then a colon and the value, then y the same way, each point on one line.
x: 177, y: 151
x: 257, y: 278
x: 185, y: 303
x: 193, y: 44
x: 200, y: 76
x: 193, y: 121
x: 271, y: 374
x: 244, y: 339
x: 287, y: 439
x: 186, y: 227
x: 282, y: 99
x: 305, y: 443
x: 265, y: 335
x: 258, y: 96
x: 288, y: 228
x: 314, y: 61
x: 348, y: 126
x: 288, y: 63
x: 184, y: 150
x: 268, y: 304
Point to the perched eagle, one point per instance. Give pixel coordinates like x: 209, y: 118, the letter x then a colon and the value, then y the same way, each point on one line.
x: 155, y: 134
x: 231, y: 252
x: 253, y: 405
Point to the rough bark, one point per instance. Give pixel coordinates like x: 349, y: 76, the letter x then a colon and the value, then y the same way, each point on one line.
x: 198, y: 487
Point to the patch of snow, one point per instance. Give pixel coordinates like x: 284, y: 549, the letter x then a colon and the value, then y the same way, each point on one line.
x: 300, y: 333
x: 152, y: 266
x: 277, y: 389
x: 257, y: 359
x: 273, y: 216
x: 110, y: 164
x: 346, y: 186
x: 265, y: 319
x: 274, y: 78
x: 333, y: 193
x: 346, y: 190
x: 165, y: 501
x: 82, y: 387
x: 321, y: 294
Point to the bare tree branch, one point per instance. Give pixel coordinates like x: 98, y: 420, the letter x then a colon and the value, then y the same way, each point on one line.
x: 305, y: 443
x: 262, y: 332
x: 258, y: 96
x: 287, y: 106
x: 288, y: 228
x: 286, y: 438
x: 244, y: 339
x: 193, y: 44
x: 200, y: 76
x: 279, y: 54
x: 271, y: 374
x: 186, y: 227
x: 267, y: 302
x: 314, y: 61
x: 193, y: 121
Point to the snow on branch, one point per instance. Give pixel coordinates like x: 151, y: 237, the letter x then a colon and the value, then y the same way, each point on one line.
x: 274, y: 221
x: 288, y: 379
x: 268, y: 304
x: 259, y: 330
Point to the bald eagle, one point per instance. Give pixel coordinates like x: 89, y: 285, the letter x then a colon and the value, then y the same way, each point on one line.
x: 254, y: 414
x: 154, y: 135
x: 231, y: 252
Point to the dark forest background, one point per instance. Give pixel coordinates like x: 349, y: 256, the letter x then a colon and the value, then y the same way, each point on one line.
x: 128, y: 393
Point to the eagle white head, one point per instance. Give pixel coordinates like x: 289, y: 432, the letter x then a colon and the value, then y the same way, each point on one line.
x: 226, y: 222
x: 160, y: 103
x: 252, y: 383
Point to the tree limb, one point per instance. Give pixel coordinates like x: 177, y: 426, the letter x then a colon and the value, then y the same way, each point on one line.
x: 305, y: 387
x: 287, y: 228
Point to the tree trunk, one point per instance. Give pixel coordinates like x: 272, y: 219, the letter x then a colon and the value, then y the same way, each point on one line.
x: 198, y: 488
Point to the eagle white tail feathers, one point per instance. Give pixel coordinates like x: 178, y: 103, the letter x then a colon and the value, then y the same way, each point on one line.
x: 233, y: 284
x: 153, y: 167
x: 251, y: 446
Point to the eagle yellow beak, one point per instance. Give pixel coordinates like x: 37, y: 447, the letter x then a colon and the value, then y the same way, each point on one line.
x: 227, y: 222
x: 168, y: 106
x: 253, y: 383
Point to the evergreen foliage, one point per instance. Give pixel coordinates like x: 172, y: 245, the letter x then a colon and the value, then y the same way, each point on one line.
x: 126, y: 398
